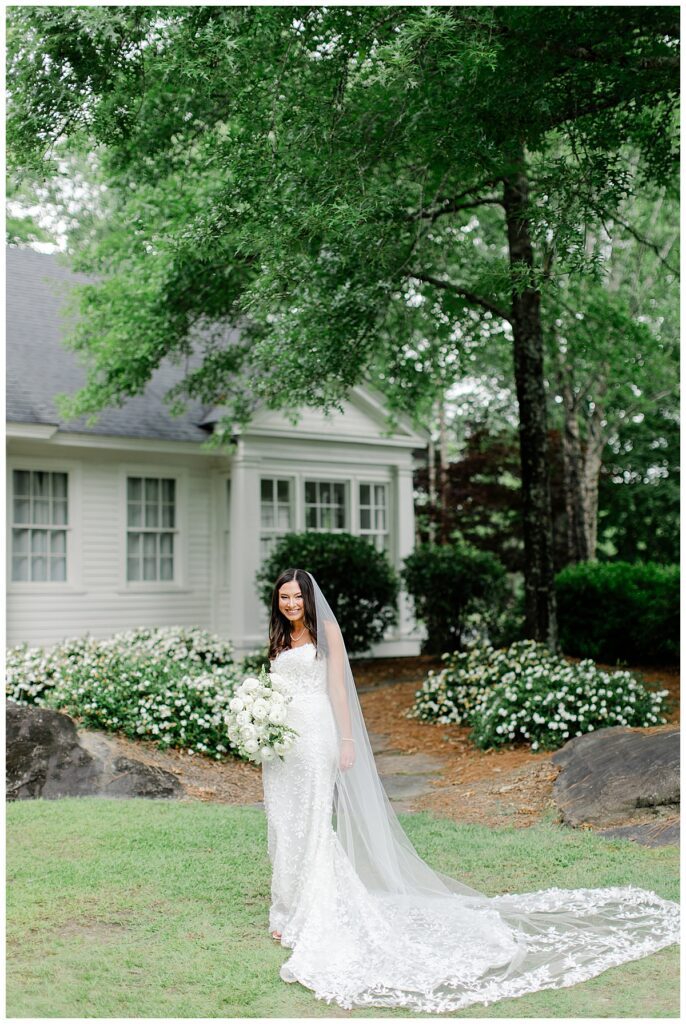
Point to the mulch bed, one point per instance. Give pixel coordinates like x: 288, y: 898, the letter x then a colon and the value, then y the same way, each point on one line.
x: 509, y: 786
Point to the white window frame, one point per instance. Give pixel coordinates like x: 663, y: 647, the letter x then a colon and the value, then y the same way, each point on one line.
x: 318, y: 480
x: 72, y: 528
x: 381, y: 539
x: 269, y: 534
x: 160, y: 472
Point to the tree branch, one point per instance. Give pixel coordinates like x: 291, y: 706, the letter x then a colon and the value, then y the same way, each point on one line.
x: 658, y: 250
x: 463, y: 293
x: 452, y: 207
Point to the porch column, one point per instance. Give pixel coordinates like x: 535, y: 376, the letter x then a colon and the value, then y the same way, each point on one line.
x: 405, y: 534
x: 245, y: 628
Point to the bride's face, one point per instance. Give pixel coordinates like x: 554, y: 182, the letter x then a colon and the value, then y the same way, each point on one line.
x: 291, y: 602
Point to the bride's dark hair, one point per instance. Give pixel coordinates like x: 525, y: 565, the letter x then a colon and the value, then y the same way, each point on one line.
x: 279, y: 626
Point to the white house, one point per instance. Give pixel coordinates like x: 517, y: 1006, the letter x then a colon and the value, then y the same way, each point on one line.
x: 133, y: 522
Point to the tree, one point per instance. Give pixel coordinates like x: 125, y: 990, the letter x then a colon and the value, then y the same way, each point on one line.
x: 306, y: 171
x: 613, y: 346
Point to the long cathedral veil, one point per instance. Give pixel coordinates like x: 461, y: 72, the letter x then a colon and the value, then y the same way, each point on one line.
x: 551, y: 938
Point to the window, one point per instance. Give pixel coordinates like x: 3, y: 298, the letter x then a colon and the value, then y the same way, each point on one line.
x: 324, y: 505
x: 374, y: 514
x: 151, y: 525
x: 276, y: 512
x: 39, y: 526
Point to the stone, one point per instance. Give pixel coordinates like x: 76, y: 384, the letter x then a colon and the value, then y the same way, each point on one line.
x: 619, y: 776
x: 663, y: 832
x: 48, y: 757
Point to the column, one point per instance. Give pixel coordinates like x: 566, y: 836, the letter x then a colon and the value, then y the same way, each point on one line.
x: 246, y: 629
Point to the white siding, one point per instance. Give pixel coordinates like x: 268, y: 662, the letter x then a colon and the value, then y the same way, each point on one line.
x: 217, y: 545
x: 96, y: 598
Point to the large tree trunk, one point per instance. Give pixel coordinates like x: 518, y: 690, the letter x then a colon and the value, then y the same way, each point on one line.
x: 573, y: 468
x: 443, y: 469
x: 432, y: 485
x: 593, y: 460
x: 540, y: 604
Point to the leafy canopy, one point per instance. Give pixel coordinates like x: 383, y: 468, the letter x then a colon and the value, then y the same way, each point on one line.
x: 307, y: 174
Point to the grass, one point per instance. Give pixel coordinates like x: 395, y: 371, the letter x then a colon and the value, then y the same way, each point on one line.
x: 143, y: 908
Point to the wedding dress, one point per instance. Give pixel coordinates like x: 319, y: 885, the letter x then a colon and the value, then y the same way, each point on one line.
x: 372, y: 925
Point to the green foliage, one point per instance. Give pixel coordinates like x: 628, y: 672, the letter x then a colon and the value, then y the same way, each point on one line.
x: 638, y: 501
x: 447, y: 583
x: 525, y: 694
x: 172, y: 685
x: 360, y: 584
x: 619, y: 611
x: 312, y: 175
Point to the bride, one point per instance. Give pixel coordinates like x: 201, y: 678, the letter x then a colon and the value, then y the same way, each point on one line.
x: 368, y: 921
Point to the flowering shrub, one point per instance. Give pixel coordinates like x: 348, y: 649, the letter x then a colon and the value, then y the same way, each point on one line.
x: 256, y: 718
x: 170, y: 685
x: 523, y: 693
x: 31, y: 671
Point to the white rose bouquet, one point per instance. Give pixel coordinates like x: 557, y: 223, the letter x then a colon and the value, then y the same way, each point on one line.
x: 256, y: 718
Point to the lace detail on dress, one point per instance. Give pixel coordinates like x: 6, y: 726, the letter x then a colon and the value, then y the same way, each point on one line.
x: 431, y: 954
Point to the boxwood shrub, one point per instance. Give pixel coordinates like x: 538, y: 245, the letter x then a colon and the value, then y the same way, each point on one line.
x: 619, y: 611
x: 447, y: 584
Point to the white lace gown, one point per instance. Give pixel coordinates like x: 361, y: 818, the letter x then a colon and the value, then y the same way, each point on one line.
x: 359, y: 948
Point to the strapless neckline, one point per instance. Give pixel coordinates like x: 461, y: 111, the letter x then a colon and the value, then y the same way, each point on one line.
x: 289, y: 650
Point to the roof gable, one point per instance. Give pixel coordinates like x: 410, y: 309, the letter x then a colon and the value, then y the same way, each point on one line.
x: 363, y: 417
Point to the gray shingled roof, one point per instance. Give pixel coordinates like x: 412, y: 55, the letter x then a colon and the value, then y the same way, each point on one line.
x: 39, y: 367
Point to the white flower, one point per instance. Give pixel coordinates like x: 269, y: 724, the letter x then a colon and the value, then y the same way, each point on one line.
x: 248, y: 732
x: 236, y: 704
x: 267, y: 754
x: 277, y: 713
x: 243, y: 718
x: 251, y: 746
x: 250, y: 684
x: 260, y: 709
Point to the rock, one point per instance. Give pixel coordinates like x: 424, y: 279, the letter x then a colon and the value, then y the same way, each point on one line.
x: 620, y: 777
x: 47, y: 757
x: 658, y: 833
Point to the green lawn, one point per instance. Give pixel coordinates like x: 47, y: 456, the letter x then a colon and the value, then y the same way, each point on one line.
x: 143, y: 908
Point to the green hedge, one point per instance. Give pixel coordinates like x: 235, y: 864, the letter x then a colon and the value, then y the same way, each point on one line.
x: 447, y: 584
x: 356, y: 579
x: 619, y: 611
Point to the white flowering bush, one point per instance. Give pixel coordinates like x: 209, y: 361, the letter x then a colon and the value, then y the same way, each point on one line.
x: 170, y: 685
x: 524, y: 693
x: 257, y: 715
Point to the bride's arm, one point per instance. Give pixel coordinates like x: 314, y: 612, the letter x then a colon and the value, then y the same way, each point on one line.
x: 336, y: 660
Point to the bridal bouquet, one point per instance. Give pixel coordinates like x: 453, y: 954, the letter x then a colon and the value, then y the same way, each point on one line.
x: 257, y: 715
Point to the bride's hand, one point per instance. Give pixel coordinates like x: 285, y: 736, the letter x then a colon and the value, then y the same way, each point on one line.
x: 347, y: 758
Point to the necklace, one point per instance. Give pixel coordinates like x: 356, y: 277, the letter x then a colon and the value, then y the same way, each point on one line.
x: 294, y: 637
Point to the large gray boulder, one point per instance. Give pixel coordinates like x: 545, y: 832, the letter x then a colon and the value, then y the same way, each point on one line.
x: 624, y: 781
x: 46, y: 757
